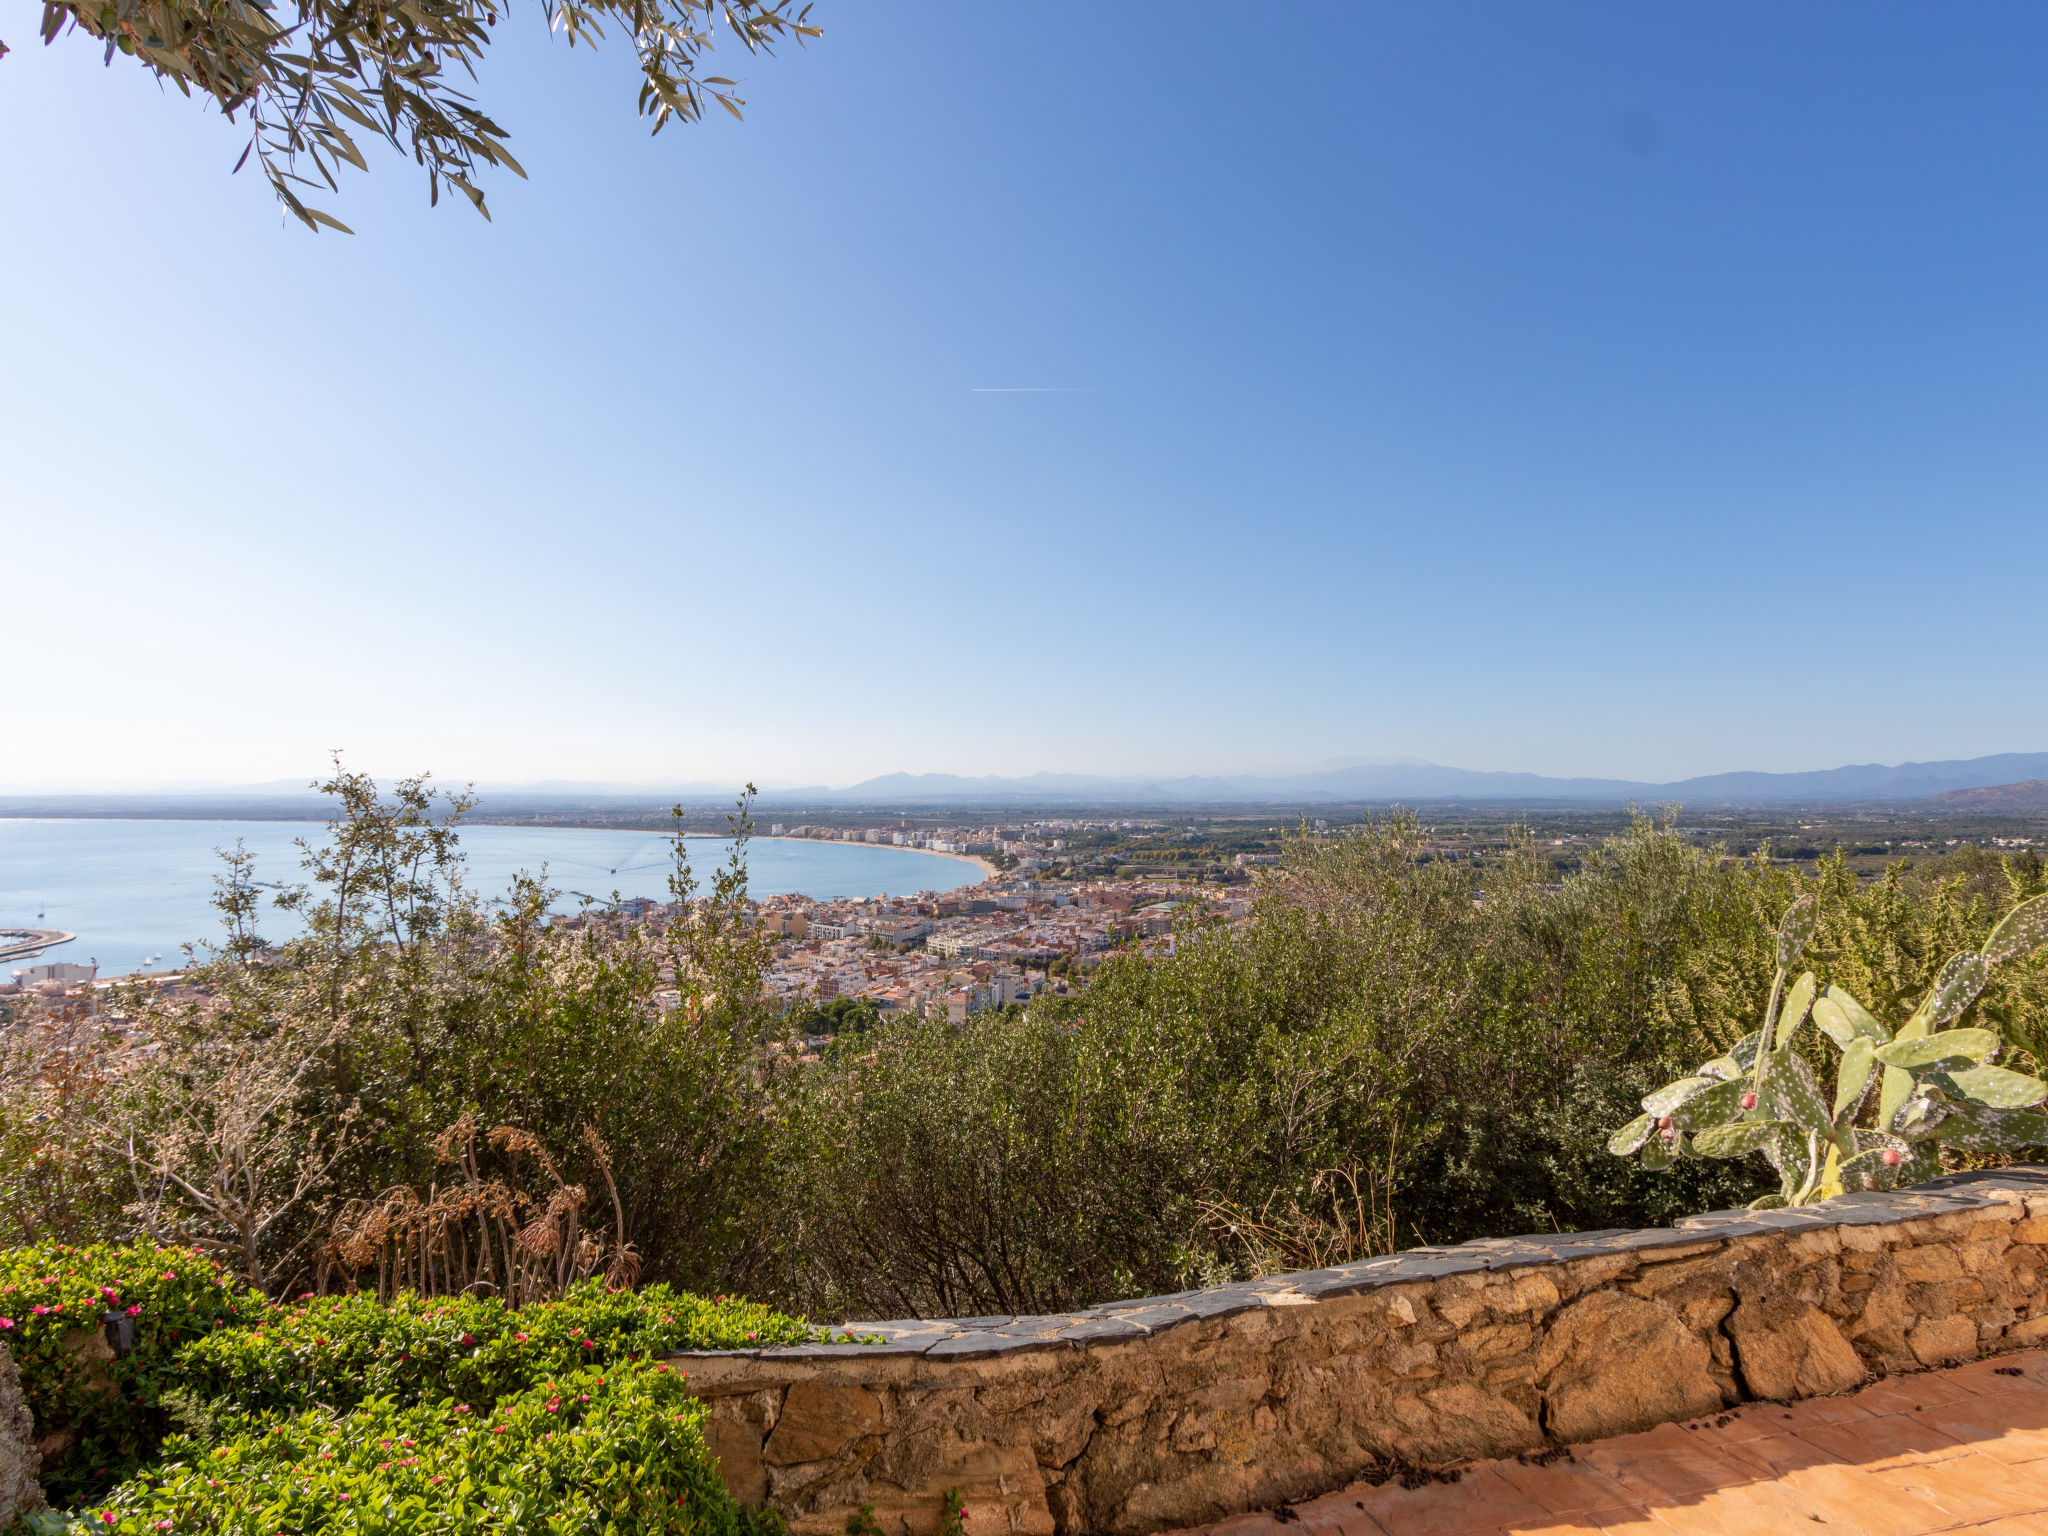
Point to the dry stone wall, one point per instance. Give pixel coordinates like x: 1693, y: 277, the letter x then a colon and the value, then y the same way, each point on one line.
x: 1135, y: 1417
x: 19, y: 1462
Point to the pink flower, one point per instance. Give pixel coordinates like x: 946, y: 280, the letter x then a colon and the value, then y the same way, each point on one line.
x: 107, y: 1515
x: 501, y: 1429
x: 135, y: 1311
x: 37, y: 1311
x: 462, y: 1407
x: 519, y: 1338
x: 170, y: 1274
x: 6, y: 1322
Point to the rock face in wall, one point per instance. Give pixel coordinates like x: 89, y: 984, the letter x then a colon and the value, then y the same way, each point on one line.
x: 20, y: 1494
x: 1143, y: 1416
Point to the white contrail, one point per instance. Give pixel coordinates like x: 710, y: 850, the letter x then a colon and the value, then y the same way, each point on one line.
x: 1031, y: 389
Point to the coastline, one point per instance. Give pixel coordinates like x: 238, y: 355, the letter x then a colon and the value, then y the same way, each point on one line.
x: 166, y: 867
x: 988, y: 870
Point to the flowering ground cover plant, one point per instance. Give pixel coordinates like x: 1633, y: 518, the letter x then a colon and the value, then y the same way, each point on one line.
x: 617, y: 1450
x: 53, y: 1303
x: 337, y: 1351
x: 1898, y: 1093
x: 240, y: 1374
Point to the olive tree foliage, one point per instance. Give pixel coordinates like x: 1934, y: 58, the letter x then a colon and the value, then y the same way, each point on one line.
x: 1233, y: 1108
x: 316, y: 80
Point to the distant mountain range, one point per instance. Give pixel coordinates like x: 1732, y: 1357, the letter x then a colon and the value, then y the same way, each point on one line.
x: 1409, y: 780
x: 2009, y: 781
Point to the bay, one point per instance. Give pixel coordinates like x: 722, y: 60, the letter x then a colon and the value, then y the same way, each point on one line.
x: 135, y: 892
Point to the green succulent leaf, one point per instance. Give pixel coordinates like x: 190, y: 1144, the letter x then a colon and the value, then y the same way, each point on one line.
x: 1767, y: 1203
x: 1982, y: 1128
x: 1898, y: 1087
x: 1656, y: 1155
x: 1671, y: 1095
x: 1791, y: 1092
x: 1797, y: 1002
x: 1955, y: 989
x: 1630, y: 1138
x: 1859, y: 1062
x: 2020, y: 931
x: 1861, y: 1141
x: 1794, y: 929
x: 1950, y: 1048
x: 1843, y: 1018
x: 1737, y: 1140
x: 1870, y: 1170
x: 1789, y: 1153
x: 2000, y: 1088
x: 1740, y: 1059
x: 1920, y: 1114
x: 1717, y: 1105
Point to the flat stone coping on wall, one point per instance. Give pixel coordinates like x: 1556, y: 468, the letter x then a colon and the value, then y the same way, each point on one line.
x: 1133, y: 1417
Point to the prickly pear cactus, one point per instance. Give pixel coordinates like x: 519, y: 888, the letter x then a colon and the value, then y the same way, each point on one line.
x: 1897, y: 1095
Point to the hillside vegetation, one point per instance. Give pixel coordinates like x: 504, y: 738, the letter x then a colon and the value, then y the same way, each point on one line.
x: 1380, y: 1055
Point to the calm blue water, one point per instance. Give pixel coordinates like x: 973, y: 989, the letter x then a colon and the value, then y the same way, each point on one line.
x: 131, y: 890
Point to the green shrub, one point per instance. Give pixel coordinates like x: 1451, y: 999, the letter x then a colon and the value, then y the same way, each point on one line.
x: 209, y: 1351
x: 337, y: 1351
x: 617, y: 1450
x: 51, y: 1303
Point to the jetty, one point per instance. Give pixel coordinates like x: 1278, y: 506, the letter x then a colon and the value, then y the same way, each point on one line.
x: 27, y: 943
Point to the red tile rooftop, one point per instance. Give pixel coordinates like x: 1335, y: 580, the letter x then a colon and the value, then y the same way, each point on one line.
x: 1963, y: 1449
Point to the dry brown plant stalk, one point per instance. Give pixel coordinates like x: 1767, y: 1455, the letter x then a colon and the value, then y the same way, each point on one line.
x: 1349, y: 1216
x: 480, y: 1235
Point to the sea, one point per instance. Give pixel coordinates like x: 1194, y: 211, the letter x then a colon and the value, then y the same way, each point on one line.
x: 136, y: 892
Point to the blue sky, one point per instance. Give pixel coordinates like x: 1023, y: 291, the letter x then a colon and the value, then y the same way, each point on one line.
x: 1610, y: 389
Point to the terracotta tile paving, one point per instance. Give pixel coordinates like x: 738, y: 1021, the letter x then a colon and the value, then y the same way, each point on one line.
x: 1959, y: 1449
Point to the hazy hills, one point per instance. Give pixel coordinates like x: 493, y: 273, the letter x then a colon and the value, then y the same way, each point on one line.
x: 1431, y: 781
x: 2010, y: 781
x: 2028, y: 799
